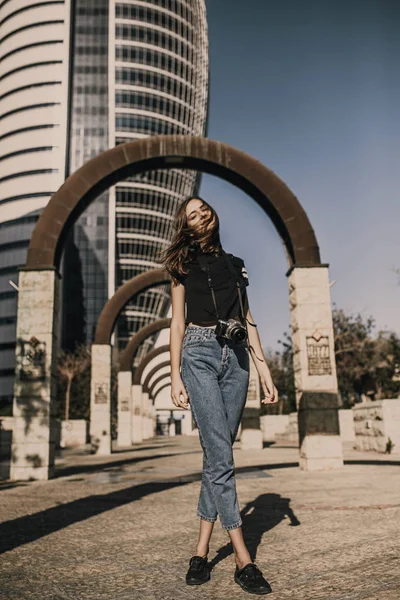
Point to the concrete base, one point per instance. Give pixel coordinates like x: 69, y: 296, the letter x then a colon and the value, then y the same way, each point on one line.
x: 273, y: 426
x: 251, y: 439
x: 73, y: 433
x: 321, y: 453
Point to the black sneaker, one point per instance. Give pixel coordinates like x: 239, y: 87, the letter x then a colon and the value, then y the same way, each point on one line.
x: 198, y: 572
x: 251, y: 579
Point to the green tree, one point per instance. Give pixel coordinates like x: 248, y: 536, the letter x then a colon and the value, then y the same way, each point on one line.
x: 281, y: 367
x: 74, y: 373
x: 368, y: 364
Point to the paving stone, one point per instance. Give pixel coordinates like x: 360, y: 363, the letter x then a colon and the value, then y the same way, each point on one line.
x: 125, y: 526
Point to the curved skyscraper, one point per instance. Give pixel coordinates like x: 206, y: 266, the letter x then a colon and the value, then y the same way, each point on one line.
x: 161, y: 87
x: 34, y: 51
x: 76, y: 78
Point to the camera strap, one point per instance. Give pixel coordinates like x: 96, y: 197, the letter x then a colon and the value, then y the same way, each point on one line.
x: 205, y: 266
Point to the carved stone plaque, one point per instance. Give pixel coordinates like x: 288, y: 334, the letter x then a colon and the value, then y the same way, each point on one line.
x: 32, y: 360
x: 101, y: 392
x: 318, y: 355
x: 124, y: 404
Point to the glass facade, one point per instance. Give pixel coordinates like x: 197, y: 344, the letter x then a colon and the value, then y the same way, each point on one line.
x: 161, y: 87
x: 85, y: 269
x: 146, y: 63
x: 14, y: 236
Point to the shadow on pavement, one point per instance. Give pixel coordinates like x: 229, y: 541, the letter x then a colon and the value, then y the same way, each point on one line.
x: 65, y: 471
x: 29, y: 528
x: 259, y: 516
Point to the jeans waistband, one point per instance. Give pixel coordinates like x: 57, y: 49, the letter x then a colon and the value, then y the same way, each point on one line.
x: 202, y: 330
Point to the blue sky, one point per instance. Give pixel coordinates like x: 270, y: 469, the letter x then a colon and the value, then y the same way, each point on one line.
x: 311, y: 88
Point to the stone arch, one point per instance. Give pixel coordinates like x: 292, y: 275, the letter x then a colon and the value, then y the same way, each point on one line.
x: 128, y: 355
x: 161, y: 388
x: 155, y: 382
x: 147, y: 359
x: 163, y: 152
x: 152, y: 372
x: 316, y: 385
x: 116, y: 304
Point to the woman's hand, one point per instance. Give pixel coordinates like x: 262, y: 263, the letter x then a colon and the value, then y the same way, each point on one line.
x: 270, y: 391
x: 177, y: 390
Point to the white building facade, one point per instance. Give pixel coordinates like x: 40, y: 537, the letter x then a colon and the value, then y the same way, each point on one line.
x: 34, y: 67
x: 78, y: 77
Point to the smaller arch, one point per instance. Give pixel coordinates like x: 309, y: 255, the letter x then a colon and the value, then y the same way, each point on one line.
x: 128, y: 354
x: 153, y: 371
x: 159, y: 390
x: 115, y: 305
x: 147, y: 359
x: 156, y: 381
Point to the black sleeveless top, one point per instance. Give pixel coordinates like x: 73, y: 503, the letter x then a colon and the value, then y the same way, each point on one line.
x: 198, y: 298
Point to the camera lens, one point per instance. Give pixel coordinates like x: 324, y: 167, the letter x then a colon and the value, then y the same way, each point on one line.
x: 239, y: 334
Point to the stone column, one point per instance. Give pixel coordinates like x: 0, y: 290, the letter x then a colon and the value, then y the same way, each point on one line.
x: 137, y: 418
x: 187, y: 423
x: 100, y: 400
x: 315, y: 368
x: 150, y: 410
x: 124, y: 434
x: 251, y: 437
x: 153, y: 420
x: 171, y: 425
x: 34, y: 435
x: 145, y: 415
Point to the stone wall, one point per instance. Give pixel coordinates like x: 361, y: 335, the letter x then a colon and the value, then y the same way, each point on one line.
x: 375, y: 422
x: 346, y: 423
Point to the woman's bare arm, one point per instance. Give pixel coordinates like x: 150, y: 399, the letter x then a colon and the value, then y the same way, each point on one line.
x: 177, y: 331
x: 270, y: 391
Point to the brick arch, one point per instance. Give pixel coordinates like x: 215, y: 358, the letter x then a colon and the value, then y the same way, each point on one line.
x: 171, y: 151
x: 115, y: 305
x: 147, y: 359
x: 135, y: 341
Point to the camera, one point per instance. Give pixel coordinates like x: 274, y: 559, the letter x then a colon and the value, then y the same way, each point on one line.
x: 232, y: 330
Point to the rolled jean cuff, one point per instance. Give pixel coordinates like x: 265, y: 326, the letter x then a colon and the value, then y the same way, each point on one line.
x: 234, y: 526
x: 210, y: 520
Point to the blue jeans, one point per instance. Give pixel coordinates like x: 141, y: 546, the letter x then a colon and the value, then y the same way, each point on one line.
x: 215, y: 372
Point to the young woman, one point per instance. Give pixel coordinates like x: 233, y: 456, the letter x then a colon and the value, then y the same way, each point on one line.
x: 210, y: 371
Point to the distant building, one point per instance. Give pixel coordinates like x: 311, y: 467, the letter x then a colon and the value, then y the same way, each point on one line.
x: 77, y: 78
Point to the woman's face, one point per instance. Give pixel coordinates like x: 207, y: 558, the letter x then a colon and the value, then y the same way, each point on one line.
x: 197, y: 212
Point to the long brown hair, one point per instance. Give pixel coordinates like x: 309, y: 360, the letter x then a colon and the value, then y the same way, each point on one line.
x: 187, y: 241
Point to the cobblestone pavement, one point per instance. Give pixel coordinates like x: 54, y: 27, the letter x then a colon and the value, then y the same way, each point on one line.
x: 124, y: 527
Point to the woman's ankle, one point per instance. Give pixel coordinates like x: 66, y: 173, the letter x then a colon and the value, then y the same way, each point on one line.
x: 202, y: 551
x: 242, y: 561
